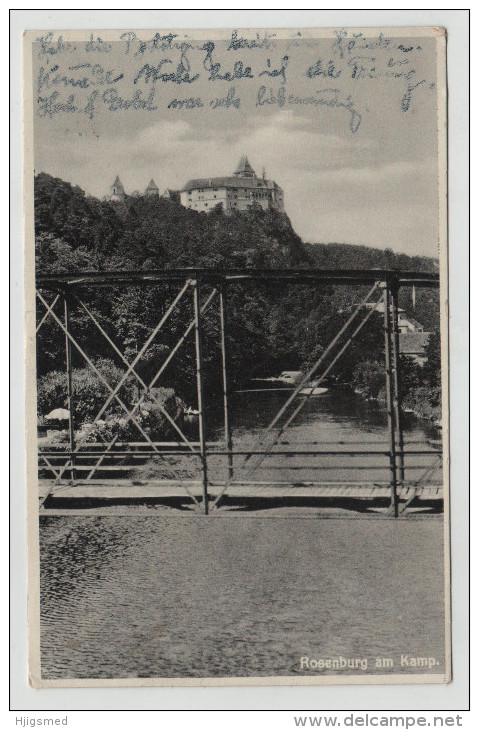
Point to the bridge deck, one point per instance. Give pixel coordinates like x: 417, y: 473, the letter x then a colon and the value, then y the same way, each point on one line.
x: 125, y: 489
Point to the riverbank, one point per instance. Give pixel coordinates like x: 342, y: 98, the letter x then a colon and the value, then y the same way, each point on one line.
x: 424, y: 403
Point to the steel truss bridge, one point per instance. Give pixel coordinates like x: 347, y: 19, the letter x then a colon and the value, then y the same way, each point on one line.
x: 78, y: 464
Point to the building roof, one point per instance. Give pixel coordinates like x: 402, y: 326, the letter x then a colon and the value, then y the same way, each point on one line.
x: 244, y: 169
x: 118, y: 184
x: 243, y: 177
x: 152, y: 185
x: 230, y: 182
x: 413, y: 321
x: 413, y: 343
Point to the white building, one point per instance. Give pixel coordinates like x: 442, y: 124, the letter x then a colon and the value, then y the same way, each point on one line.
x: 238, y: 192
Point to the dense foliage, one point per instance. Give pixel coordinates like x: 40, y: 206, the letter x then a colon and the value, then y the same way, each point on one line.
x: 271, y: 327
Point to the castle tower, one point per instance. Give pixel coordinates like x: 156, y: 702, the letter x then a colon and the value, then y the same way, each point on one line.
x: 244, y: 169
x: 117, y: 190
x: 152, y: 189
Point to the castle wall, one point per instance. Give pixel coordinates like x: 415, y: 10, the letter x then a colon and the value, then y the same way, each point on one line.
x: 205, y: 199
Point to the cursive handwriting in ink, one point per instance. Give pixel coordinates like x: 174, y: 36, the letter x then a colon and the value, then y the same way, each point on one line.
x: 319, y: 69
x: 97, y: 45
x: 49, y: 106
x: 363, y: 67
x: 237, y: 43
x: 406, y: 99
x: 49, y: 47
x: 157, y: 43
x: 155, y: 73
x: 322, y: 97
x: 91, y: 75
x: 240, y: 71
x: 115, y: 102
x: 49, y: 78
x: 89, y: 109
x: 332, y: 98
x: 99, y: 77
x: 228, y: 101
x: 277, y: 71
x: 190, y: 103
x: 270, y: 96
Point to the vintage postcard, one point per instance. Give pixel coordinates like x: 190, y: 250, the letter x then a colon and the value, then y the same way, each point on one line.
x: 236, y: 274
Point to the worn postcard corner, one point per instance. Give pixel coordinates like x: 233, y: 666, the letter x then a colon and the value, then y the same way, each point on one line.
x: 237, y: 404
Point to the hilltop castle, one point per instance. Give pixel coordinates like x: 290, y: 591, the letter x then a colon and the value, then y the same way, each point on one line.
x: 118, y: 194
x: 238, y: 192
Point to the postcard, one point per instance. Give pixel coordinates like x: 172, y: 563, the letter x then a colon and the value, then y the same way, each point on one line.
x: 236, y: 275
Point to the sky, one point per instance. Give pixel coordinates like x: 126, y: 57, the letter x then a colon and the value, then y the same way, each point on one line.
x: 348, y: 130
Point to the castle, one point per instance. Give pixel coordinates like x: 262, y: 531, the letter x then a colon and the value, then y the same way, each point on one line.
x: 238, y: 192
x: 118, y: 194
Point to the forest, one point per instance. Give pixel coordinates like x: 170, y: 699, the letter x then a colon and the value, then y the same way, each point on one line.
x: 271, y: 327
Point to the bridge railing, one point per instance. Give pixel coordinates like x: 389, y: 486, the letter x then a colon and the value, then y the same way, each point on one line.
x: 221, y: 467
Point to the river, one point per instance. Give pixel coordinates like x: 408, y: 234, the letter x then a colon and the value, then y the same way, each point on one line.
x: 338, y: 420
x: 175, y: 594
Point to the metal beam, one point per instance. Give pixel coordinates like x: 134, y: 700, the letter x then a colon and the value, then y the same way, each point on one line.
x: 390, y: 399
x: 307, y: 377
x: 152, y: 383
x: 331, y: 276
x: 319, y: 380
x: 65, y: 285
x: 396, y: 373
x: 94, y: 368
x: 131, y: 366
x: 47, y: 313
x: 224, y: 368
x: 199, y: 385
x: 68, y: 359
x: 133, y: 371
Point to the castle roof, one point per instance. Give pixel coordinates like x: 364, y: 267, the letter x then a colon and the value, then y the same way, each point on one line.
x: 244, y: 169
x: 118, y: 184
x: 152, y: 185
x: 230, y: 182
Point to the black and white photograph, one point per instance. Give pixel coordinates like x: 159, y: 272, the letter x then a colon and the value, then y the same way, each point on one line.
x: 236, y: 275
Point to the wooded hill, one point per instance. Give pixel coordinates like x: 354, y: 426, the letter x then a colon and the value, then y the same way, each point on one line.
x: 273, y: 327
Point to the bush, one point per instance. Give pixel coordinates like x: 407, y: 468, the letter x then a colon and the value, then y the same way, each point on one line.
x: 425, y: 401
x: 368, y: 379
x: 89, y: 392
x: 90, y: 395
